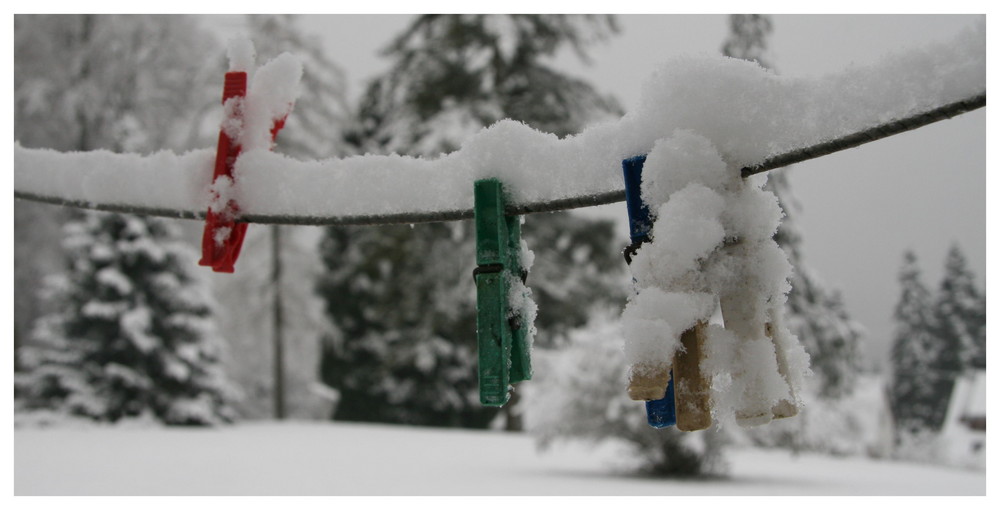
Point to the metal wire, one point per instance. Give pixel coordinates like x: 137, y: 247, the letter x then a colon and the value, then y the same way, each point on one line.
x: 852, y: 140
x: 869, y: 135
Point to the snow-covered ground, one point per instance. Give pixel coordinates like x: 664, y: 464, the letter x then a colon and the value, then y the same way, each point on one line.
x: 355, y: 459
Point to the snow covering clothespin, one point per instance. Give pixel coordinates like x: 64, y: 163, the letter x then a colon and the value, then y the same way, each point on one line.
x: 502, y: 325
x: 710, y: 249
x: 251, y: 121
x: 676, y: 391
x: 740, y: 316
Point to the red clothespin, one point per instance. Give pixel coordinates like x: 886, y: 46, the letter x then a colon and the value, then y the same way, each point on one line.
x: 223, y: 236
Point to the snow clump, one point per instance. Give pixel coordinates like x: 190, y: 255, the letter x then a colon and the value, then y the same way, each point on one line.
x: 711, y: 246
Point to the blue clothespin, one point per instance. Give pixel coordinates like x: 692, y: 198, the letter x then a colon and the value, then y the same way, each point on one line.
x: 660, y: 413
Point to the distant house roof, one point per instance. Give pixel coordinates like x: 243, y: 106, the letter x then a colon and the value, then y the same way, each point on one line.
x: 963, y: 437
x: 968, y: 401
x: 976, y: 403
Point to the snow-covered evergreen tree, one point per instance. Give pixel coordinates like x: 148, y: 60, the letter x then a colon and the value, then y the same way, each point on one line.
x: 938, y: 338
x: 251, y: 294
x: 402, y: 297
x: 85, y: 82
x: 961, y: 316
x: 131, y: 334
x: 454, y: 74
x: 920, y: 390
x: 747, y: 40
x: 126, y: 331
x: 404, y: 347
x: 816, y: 314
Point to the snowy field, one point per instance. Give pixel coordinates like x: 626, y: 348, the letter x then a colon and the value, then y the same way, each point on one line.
x: 342, y: 460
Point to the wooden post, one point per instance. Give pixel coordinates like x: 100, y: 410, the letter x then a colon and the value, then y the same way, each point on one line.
x: 279, y: 324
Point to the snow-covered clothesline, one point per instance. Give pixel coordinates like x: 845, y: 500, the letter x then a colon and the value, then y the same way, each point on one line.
x: 703, y: 126
x: 757, y: 120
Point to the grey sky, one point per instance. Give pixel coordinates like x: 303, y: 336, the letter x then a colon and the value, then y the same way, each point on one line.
x: 922, y: 190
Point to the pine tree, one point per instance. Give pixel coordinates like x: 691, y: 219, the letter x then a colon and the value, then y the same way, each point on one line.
x: 405, y: 346
x: 132, y: 334
x: 457, y: 73
x: 86, y: 82
x: 961, y: 316
x: 123, y: 83
x: 815, y: 313
x: 920, y: 390
x: 747, y: 38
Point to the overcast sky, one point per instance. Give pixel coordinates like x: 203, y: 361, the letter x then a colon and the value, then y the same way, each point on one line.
x: 861, y: 209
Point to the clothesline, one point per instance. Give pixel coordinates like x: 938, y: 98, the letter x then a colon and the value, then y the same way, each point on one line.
x: 799, y: 155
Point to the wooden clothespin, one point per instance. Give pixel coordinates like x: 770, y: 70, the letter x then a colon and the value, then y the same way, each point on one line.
x: 744, y: 319
x: 504, y: 357
x: 692, y: 387
x: 784, y: 408
x: 676, y: 391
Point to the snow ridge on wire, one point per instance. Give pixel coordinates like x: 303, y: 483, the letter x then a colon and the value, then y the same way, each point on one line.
x: 756, y: 119
x: 781, y: 160
x: 868, y: 135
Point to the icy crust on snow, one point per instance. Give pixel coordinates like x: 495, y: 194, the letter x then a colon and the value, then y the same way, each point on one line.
x: 748, y: 113
x: 711, y: 243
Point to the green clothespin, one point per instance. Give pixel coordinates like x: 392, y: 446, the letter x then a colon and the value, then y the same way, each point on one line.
x: 504, y: 358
